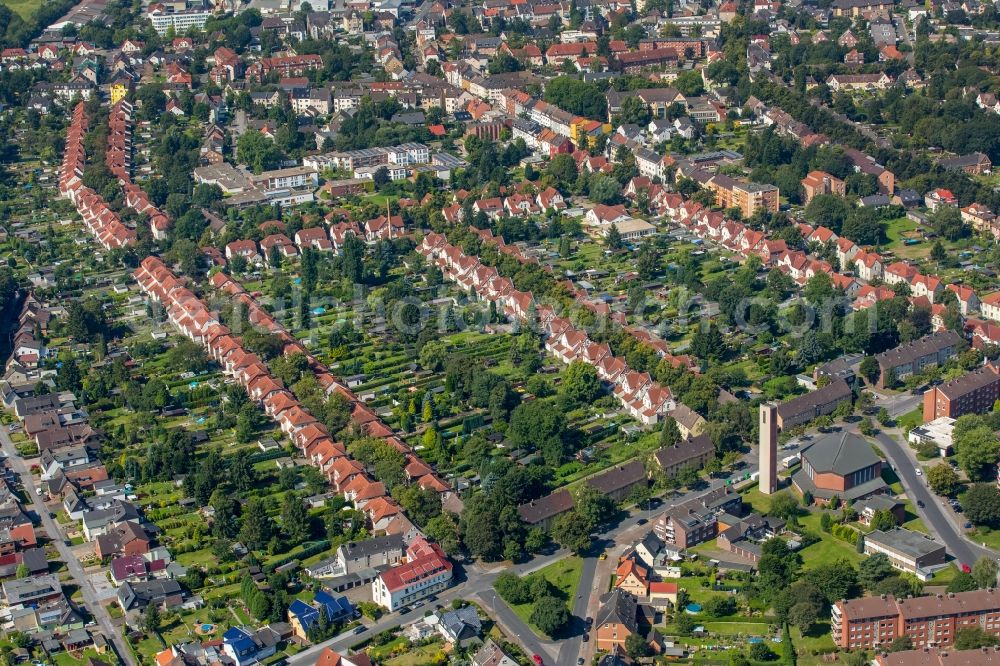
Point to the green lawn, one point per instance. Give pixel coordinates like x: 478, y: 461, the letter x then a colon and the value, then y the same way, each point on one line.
x: 910, y: 420
x: 418, y: 656
x: 735, y: 628
x: 564, y: 576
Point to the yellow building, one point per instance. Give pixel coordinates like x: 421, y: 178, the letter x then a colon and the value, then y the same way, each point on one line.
x: 118, y: 92
x: 584, y: 133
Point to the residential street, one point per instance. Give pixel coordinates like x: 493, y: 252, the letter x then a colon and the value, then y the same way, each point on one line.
x: 932, y: 513
x: 478, y: 585
x: 93, y: 604
x: 943, y: 524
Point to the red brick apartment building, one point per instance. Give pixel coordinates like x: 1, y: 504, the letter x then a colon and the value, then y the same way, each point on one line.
x: 929, y: 621
x: 973, y: 393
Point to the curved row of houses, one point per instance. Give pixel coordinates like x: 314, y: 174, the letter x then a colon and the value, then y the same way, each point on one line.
x: 192, y: 317
x: 98, y: 217
x: 644, y: 399
x: 119, y: 160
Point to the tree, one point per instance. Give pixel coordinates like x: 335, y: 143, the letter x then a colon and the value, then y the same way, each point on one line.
x: 512, y: 588
x: 613, y: 239
x: 901, y: 644
x: 943, y: 479
x: 874, y: 569
x: 984, y: 572
x: 783, y: 505
x: 256, y: 526
x: 962, y: 582
x: 870, y: 369
x: 635, y: 111
x: 804, y: 615
x: 604, y: 189
x: 570, y: 531
x: 635, y: 645
x: 883, y: 520
x: 761, y: 652
x: 982, y: 504
x: 550, y: 615
x: 581, y: 384
x: 977, y: 450
x: 670, y: 434
x: 257, y: 151
x: 973, y: 638
x: 717, y: 606
x: 151, y: 618
x: 294, y: 518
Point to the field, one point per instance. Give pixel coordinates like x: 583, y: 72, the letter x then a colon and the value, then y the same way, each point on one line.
x: 564, y: 576
x: 24, y: 8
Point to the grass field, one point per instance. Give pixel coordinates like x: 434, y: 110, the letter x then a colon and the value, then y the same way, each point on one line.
x: 23, y: 7
x: 564, y: 576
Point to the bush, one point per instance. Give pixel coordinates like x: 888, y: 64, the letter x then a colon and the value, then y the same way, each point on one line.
x: 720, y: 607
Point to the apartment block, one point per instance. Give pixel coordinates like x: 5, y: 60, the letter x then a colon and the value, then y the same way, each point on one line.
x: 911, y: 358
x: 820, y: 182
x: 972, y: 393
x: 929, y: 621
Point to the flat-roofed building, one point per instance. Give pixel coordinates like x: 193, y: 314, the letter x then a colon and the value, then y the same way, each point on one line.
x: 907, y: 551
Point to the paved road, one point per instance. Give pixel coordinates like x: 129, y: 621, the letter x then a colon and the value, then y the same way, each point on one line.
x: 932, y: 513
x: 478, y: 585
x: 90, y: 598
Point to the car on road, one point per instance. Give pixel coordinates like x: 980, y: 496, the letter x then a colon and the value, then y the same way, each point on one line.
x: 404, y: 610
x: 919, y: 472
x: 641, y: 521
x: 537, y: 659
x: 920, y: 503
x: 38, y: 491
x: 418, y: 604
x: 360, y: 630
x: 431, y: 599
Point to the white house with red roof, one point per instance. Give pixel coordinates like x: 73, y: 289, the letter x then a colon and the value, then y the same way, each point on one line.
x: 940, y: 197
x: 427, y: 571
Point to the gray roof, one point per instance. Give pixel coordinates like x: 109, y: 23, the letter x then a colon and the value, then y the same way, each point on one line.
x: 380, y: 544
x: 904, y: 541
x: 617, y: 607
x: 929, y: 344
x: 840, y: 453
x: 876, y: 503
x: 835, y: 391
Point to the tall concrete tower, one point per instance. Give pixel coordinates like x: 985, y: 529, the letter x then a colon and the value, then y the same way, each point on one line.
x: 768, y: 448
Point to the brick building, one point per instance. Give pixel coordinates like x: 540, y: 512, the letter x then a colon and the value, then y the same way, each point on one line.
x: 841, y: 464
x: 972, y: 393
x: 820, y: 182
x: 913, y: 357
x: 929, y: 621
x: 820, y: 402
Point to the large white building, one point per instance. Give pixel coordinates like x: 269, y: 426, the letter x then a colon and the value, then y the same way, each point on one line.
x: 180, y: 21
x: 426, y: 572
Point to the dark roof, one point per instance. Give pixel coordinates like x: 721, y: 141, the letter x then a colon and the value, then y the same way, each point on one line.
x: 929, y: 344
x: 669, y: 456
x: 969, y: 382
x: 619, y: 477
x: 972, y: 159
x: 546, y: 507
x: 835, y: 391
x: 617, y: 607
x: 380, y: 544
x: 840, y: 453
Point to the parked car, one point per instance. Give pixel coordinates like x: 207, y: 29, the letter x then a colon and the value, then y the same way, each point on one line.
x: 537, y: 659
x: 360, y: 630
x: 920, y: 503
